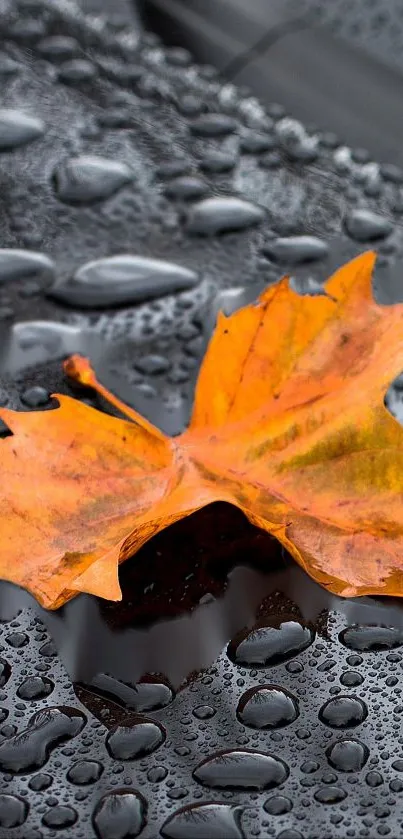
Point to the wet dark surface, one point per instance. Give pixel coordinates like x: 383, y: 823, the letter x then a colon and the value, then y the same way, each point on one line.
x: 227, y: 695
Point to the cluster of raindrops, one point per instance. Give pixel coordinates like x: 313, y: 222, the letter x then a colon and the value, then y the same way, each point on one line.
x: 292, y: 732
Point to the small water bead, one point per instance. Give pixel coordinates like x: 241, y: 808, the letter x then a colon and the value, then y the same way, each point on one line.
x: 13, y: 810
x: 59, y: 817
x: 374, y: 778
x: 120, y: 814
x: 266, y: 645
x: 343, y: 712
x: 330, y: 795
x: 85, y: 772
x: 347, y: 755
x: 204, y: 821
x: 186, y: 188
x: 212, y: 216
x: 89, y: 178
x: 366, y: 226
x: 217, y: 161
x: 277, y: 805
x: 77, y: 71
x: 366, y: 638
x: 254, y: 143
x: 58, y: 47
x: 18, y: 129
x: 295, y: 250
x: 241, y: 769
x: 129, y: 743
x: 152, y: 364
x: 351, y: 678
x: 213, y: 125
x: 35, y: 687
x: 157, y: 774
x: 268, y: 706
x: 204, y: 712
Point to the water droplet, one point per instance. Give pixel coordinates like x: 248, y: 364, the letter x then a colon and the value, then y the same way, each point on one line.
x: 217, y: 161
x: 48, y: 649
x: 13, y: 811
x: 290, y: 833
x: 58, y: 47
x: 204, y: 712
x: 77, y: 71
x: 122, y: 279
x: 374, y: 778
x: 60, y: 816
x: 18, y: 264
x: 391, y: 172
x: 296, y: 249
x: 17, y: 129
x: 30, y: 749
x: 204, y: 821
x: 86, y: 179
x: 85, y: 772
x: 17, y: 639
x: 268, y: 706
x: 347, y: 755
x: 40, y: 782
x: 35, y: 396
x: 343, y: 712
x: 366, y: 226
x: 120, y: 814
x: 367, y: 638
x: 130, y: 742
x: 330, y: 795
x: 213, y: 125
x: 8, y: 67
x: 157, y: 774
x: 277, y: 805
x: 351, y: 679
x: 153, y: 364
x: 222, y: 214
x: 241, y: 769
x: 5, y: 671
x: 254, y: 143
x: 35, y: 687
x: 143, y: 696
x: 266, y: 645
x: 398, y: 765
x: 186, y: 188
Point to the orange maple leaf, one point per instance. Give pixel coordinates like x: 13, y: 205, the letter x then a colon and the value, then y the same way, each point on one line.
x: 289, y: 424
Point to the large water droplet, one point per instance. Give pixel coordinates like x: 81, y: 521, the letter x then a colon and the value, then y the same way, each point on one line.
x: 241, y: 769
x: 17, y: 129
x: 265, y: 645
x: 296, y: 249
x: 366, y: 226
x: 30, y: 749
x: 204, y: 821
x: 221, y: 215
x: 77, y: 71
x: 347, y: 755
x: 343, y: 712
x: 351, y: 679
x: 13, y: 811
x: 366, y: 638
x: 5, y: 671
x: 269, y: 706
x: 83, y: 180
x: 58, y: 47
x: 217, y: 161
x: 122, y: 279
x: 131, y: 742
x: 120, y: 815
